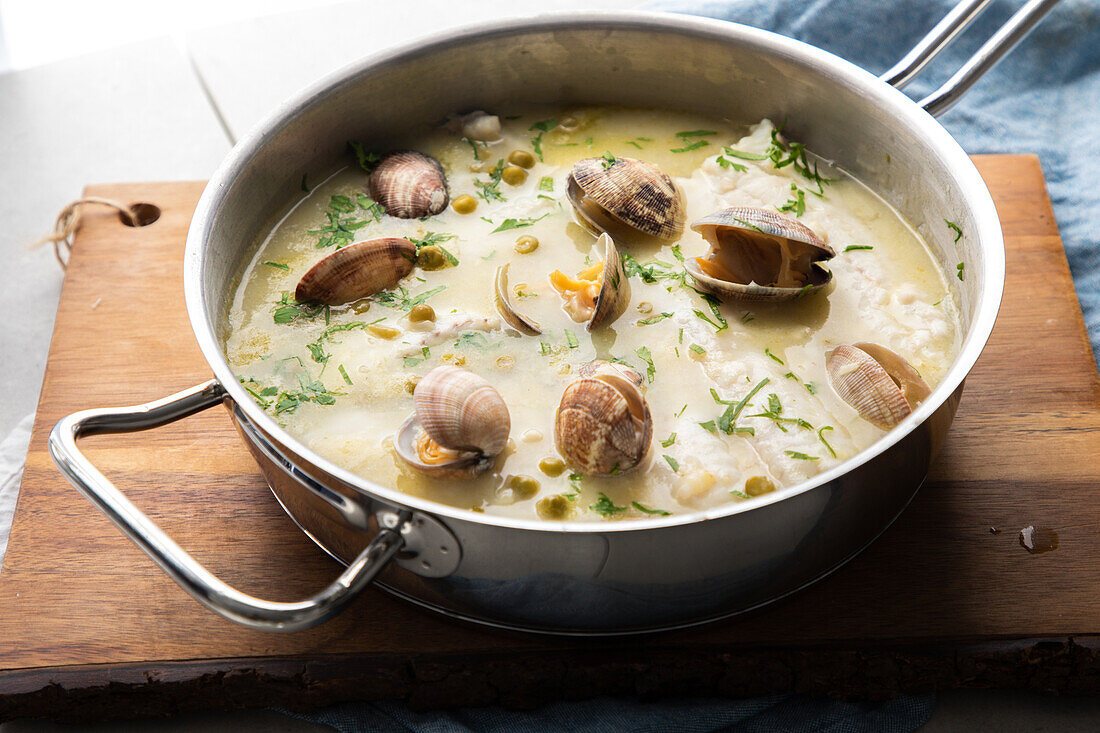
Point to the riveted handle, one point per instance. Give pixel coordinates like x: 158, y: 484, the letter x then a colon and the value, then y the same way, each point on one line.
x: 180, y: 566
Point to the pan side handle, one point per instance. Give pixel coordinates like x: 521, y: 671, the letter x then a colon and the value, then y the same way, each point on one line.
x: 180, y: 566
x: 985, y: 58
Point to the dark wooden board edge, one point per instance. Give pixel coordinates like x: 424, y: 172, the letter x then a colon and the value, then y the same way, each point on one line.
x: 1067, y: 666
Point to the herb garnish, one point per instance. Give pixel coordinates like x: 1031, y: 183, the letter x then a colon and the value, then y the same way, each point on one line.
x: 688, y: 148
x: 543, y: 127
x: 797, y: 203
x: 821, y: 437
x: 653, y: 319
x: 490, y: 190
x: 854, y: 247
x: 773, y: 412
x: 608, y: 159
x: 671, y: 463
x: 344, y: 373
x: 644, y: 355
x: 278, y: 265
x: 571, y: 339
x: 367, y: 160
x: 698, y: 349
x: 801, y: 456
x: 433, y: 239
x: 727, y: 163
x: 743, y: 155
x: 402, y: 301
x: 518, y: 223
x: 787, y: 152
x: 546, y: 183
x: 668, y: 441
x: 955, y: 228
x: 287, y: 309
x: 641, y: 508
x: 960, y: 268
x: 727, y: 421
x: 574, y: 485
x: 411, y: 361
x: 605, y: 506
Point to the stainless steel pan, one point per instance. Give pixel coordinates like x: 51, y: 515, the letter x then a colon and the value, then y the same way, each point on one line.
x: 582, y: 577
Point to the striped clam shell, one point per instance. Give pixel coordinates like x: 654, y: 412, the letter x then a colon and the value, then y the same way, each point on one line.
x: 626, y: 198
x: 772, y: 257
x: 409, y: 185
x: 603, y: 425
x: 460, y: 411
x: 357, y: 271
x: 882, y: 387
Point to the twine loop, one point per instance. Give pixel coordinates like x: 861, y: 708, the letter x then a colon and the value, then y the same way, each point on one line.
x: 68, y: 221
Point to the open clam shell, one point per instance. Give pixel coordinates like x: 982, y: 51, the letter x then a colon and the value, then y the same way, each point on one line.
x: 409, y: 185
x: 511, y: 316
x: 759, y: 255
x: 628, y: 198
x: 882, y: 387
x: 459, y: 426
x: 596, y: 300
x: 356, y: 271
x: 614, y: 289
x: 603, y: 425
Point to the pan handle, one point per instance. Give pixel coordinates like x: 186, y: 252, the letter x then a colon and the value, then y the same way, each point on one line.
x: 180, y: 566
x: 985, y: 58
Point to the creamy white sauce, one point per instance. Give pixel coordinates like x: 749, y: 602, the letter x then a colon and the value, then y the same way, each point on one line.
x: 893, y: 294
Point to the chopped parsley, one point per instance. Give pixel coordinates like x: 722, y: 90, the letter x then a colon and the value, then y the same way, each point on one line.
x: 709, y: 426
x: 727, y: 421
x: 571, y: 339
x: 546, y: 183
x: 742, y: 155
x: 401, y: 300
x: 490, y: 190
x: 433, y: 239
x: 797, y: 203
x: 698, y: 349
x: 641, y: 508
x: 278, y: 266
x: 727, y: 163
x: 696, y: 133
x: 671, y: 463
x: 543, y: 127
x: 688, y: 148
x: 287, y: 309
x: 855, y: 247
x: 740, y: 494
x: 644, y: 354
x: 787, y: 152
x: 652, y: 271
x: 544, y: 348
x: 411, y: 361
x: 654, y: 319
x: 801, y: 456
x: 473, y: 146
x: 776, y: 358
x: 344, y: 374
x: 821, y: 437
x: 605, y: 506
x: 608, y: 159
x: 574, y: 486
x: 518, y: 223
x: 669, y: 440
x: 472, y: 339
x: 955, y: 228
x: 367, y: 160
x: 960, y: 267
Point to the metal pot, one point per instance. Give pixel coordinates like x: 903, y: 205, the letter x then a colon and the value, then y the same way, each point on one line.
x: 579, y: 577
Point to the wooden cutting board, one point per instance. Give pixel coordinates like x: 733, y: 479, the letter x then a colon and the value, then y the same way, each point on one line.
x: 90, y: 627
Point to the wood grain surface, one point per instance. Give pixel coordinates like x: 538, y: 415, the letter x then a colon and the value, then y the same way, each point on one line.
x: 87, y: 620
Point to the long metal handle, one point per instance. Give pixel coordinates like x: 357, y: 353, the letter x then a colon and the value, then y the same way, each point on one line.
x: 937, y: 39
x: 193, y: 577
x: 986, y: 57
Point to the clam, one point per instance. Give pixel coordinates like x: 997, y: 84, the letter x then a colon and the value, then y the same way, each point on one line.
x: 357, y: 271
x: 879, y: 384
x: 511, y: 316
x: 627, y: 198
x: 409, y: 184
x: 759, y: 255
x: 600, y: 293
x: 603, y: 426
x: 459, y: 426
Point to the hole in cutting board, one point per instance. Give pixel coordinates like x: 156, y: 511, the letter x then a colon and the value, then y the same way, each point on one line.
x: 144, y: 214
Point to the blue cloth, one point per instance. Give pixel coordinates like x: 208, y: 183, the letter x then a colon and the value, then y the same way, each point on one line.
x: 1042, y: 98
x: 788, y: 713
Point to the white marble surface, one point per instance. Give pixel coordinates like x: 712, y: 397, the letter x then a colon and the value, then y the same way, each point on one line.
x: 140, y: 112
